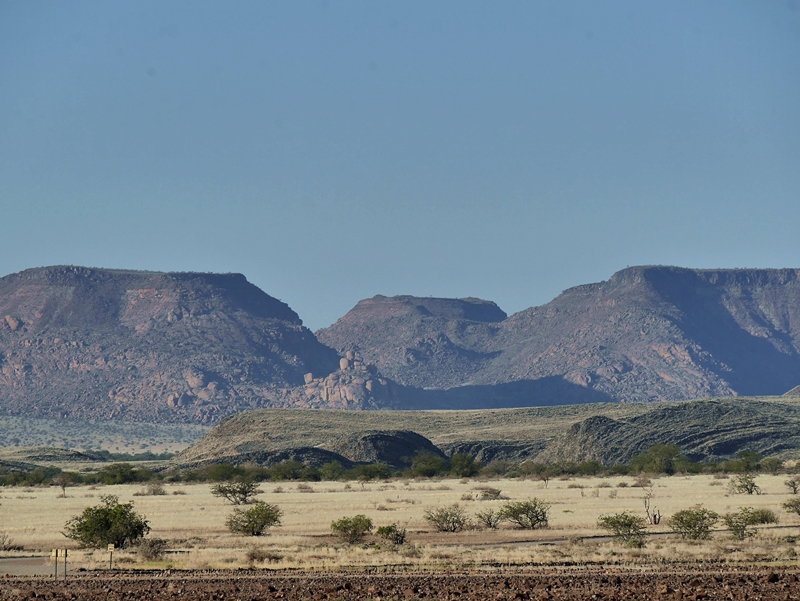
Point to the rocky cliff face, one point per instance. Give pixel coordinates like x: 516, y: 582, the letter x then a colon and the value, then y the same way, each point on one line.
x: 648, y: 333
x: 103, y: 344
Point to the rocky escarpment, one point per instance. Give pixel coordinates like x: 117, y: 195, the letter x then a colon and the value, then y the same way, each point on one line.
x: 648, y: 333
x: 169, y: 347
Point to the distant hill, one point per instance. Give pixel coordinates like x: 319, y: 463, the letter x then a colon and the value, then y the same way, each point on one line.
x: 706, y: 430
x: 108, y: 344
x: 648, y: 333
x: 102, y: 344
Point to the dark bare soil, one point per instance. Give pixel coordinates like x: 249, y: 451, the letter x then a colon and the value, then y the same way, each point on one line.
x: 718, y: 582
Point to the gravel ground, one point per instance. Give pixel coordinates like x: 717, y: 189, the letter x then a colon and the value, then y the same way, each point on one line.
x: 671, y: 582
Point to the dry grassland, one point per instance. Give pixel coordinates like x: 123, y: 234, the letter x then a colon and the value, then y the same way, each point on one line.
x: 192, y: 520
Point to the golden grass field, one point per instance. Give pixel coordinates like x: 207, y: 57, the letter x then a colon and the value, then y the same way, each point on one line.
x: 192, y: 520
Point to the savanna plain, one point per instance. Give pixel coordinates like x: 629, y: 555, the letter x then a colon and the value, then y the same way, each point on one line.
x: 572, y: 557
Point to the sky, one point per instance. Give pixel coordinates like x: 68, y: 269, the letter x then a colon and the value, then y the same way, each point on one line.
x: 332, y: 151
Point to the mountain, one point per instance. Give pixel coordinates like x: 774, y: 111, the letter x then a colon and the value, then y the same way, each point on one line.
x: 102, y: 344
x: 648, y: 333
x: 142, y: 346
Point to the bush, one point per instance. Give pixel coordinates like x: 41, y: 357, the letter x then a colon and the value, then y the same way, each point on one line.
x: 352, y: 529
x: 792, y: 505
x: 744, y: 484
x: 392, y: 533
x: 238, y: 493
x: 625, y: 527
x: 152, y: 549
x: 427, y: 465
x: 463, y: 465
x: 254, y: 520
x: 489, y: 519
x: 694, y: 524
x: 447, y: 519
x: 739, y: 523
x: 526, y: 514
x: 110, y: 522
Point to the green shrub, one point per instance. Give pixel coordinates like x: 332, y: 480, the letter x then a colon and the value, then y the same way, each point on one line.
x: 392, y: 533
x: 333, y: 470
x: 427, y: 465
x: 447, y: 519
x: 792, y: 505
x: 625, y: 527
x: 489, y: 519
x: 694, y: 524
x: 763, y: 516
x: 463, y: 465
x: 744, y: 484
x: 254, y: 520
x: 529, y: 514
x: 110, y: 522
x: 238, y: 493
x: 739, y: 523
x: 352, y: 529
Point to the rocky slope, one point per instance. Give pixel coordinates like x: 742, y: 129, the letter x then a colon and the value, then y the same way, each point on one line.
x: 102, y: 344
x: 706, y: 430
x: 648, y: 333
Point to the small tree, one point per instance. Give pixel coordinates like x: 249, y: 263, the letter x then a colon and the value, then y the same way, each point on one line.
x: 238, y: 493
x: 625, y: 527
x: 529, y: 514
x: 352, y: 529
x: 110, y: 522
x: 693, y: 524
x: 793, y: 484
x: 489, y: 519
x: 792, y: 505
x: 254, y: 520
x: 739, y: 523
x: 392, y: 533
x: 463, y: 465
x: 447, y: 519
x: 744, y: 484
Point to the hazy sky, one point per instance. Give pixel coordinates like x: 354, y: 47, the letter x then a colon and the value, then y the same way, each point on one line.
x: 331, y: 151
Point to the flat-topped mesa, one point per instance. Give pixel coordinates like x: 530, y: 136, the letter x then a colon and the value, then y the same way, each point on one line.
x: 399, y: 334
x: 102, y: 343
x: 646, y: 333
x: 83, y: 296
x: 472, y: 309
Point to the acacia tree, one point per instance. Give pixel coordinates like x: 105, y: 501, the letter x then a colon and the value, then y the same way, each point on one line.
x: 110, y: 522
x: 238, y: 493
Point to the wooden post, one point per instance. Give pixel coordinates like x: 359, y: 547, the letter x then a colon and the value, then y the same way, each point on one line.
x: 66, y: 552
x: 54, y: 554
x: 110, y: 555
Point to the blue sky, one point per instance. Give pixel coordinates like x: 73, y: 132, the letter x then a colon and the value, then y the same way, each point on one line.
x: 331, y: 151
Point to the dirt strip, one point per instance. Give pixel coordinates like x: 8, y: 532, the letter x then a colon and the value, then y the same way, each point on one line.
x: 545, y: 584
